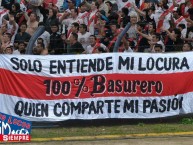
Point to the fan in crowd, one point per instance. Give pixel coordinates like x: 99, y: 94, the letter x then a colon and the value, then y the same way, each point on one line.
x: 93, y: 26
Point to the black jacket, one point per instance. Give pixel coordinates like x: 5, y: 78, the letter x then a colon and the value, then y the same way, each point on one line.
x: 56, y: 43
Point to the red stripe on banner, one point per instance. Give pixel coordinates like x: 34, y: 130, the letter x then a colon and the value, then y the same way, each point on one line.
x: 47, y: 88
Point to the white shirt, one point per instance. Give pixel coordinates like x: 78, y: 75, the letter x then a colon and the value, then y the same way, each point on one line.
x: 183, y: 21
x: 84, y: 39
x: 16, y: 52
x: 122, y: 4
x: 183, y: 32
x: 91, y: 27
x: 162, y: 44
x: 128, y: 50
x: 46, y: 37
x: 84, y: 16
x: 179, y: 2
x: 104, y: 7
x: 190, y: 35
x: 3, y: 14
x: 90, y: 48
x: 11, y: 30
x: 132, y: 32
x: 68, y: 22
x: 157, y: 15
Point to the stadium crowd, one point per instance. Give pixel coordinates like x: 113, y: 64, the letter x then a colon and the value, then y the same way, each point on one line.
x: 93, y: 26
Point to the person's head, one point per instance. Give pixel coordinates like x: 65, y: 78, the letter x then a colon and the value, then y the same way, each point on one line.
x: 21, y: 46
x: 33, y: 17
x: 163, y: 4
x: 50, y: 5
x: 15, y: 7
x: 40, y: 45
x: 124, y: 11
x: 160, y: 3
x: 6, y: 37
x: 133, y: 17
x: 71, y: 3
x: 92, y: 40
x: 40, y: 40
x: 54, y: 27
x: 94, y: 5
x: 73, y: 38
x: 109, y: 4
x: 4, y: 28
x: 151, y: 10
x: 151, y: 27
x: 158, y: 48
x: 181, y: 27
x: 23, y: 27
x: 100, y: 50
x: 176, y: 13
x: 113, y: 26
x: 82, y: 7
x: 75, y: 27
x: 82, y: 28
x: 141, y: 25
x: 52, y: 13
x: 74, y: 13
x: 187, y: 47
x: 38, y: 49
x: 100, y: 1
x: 156, y: 37
x: 176, y: 33
x: 8, y: 50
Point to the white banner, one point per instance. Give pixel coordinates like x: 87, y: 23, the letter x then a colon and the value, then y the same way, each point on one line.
x: 98, y: 86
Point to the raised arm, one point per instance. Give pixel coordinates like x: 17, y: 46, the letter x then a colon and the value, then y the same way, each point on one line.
x: 26, y: 16
x: 144, y: 35
x: 140, y: 12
